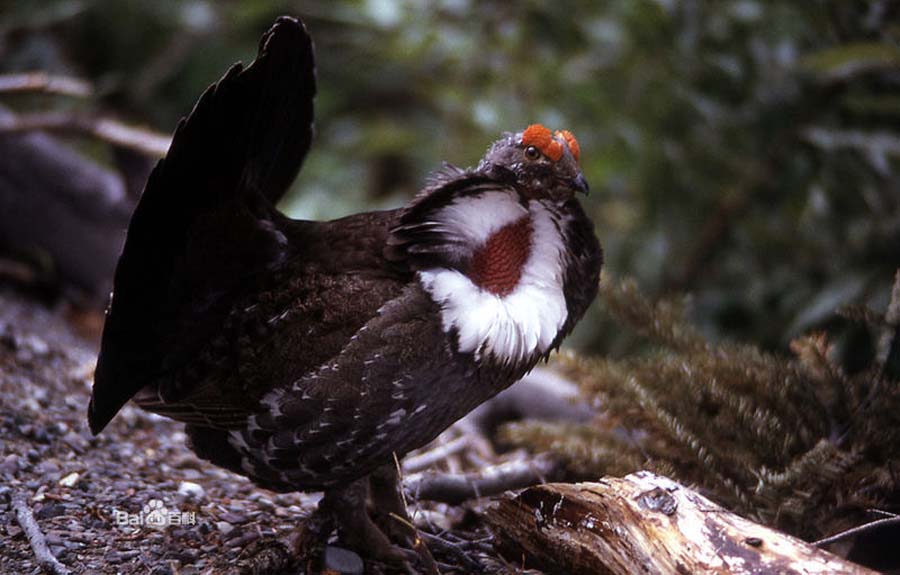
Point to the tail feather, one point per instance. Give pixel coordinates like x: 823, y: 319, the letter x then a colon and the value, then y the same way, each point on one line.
x: 206, y: 225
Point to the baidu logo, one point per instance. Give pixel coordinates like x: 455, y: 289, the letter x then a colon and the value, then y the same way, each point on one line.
x: 154, y: 515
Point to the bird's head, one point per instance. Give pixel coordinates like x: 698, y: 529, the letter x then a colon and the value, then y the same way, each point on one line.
x: 542, y: 164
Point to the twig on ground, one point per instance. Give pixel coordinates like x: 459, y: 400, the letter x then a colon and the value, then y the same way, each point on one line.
x: 454, y: 488
x: 422, y: 461
x: 36, y: 539
x: 43, y: 82
x: 864, y: 528
x: 106, y: 129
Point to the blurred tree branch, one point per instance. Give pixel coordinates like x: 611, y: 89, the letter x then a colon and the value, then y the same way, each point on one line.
x: 43, y: 82
x: 109, y: 130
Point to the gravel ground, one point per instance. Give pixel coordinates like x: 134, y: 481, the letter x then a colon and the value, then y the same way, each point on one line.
x: 80, y: 487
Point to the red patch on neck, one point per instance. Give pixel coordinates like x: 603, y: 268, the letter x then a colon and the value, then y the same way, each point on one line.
x: 497, y: 265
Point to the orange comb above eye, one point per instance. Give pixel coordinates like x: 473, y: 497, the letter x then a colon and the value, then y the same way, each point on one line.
x: 569, y: 137
x: 542, y: 139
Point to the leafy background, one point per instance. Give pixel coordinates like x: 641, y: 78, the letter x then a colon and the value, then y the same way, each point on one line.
x: 743, y: 152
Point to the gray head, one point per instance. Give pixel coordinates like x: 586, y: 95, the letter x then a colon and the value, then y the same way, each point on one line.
x: 542, y: 164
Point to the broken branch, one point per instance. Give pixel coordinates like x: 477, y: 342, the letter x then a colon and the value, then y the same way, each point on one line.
x: 43, y: 82
x: 36, y: 539
x: 106, y: 129
x: 455, y: 488
x: 864, y: 528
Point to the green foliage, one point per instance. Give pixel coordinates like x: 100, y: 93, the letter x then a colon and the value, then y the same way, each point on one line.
x: 743, y: 151
x: 792, y: 442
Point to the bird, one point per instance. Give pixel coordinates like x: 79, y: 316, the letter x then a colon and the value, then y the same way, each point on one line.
x: 307, y: 355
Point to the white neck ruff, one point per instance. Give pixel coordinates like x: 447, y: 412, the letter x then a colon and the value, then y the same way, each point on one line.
x: 526, y: 321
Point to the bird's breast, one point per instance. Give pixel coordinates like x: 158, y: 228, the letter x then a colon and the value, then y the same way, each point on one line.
x: 509, y: 303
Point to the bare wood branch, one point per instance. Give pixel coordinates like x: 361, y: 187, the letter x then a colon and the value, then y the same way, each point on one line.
x: 415, y: 463
x: 140, y: 139
x: 36, y: 539
x: 645, y: 523
x: 455, y: 488
x: 43, y: 82
x: 864, y: 528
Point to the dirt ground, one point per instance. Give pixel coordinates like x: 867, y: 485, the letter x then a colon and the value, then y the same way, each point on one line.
x: 80, y: 488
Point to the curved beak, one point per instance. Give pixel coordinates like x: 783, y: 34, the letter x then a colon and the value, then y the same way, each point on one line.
x: 580, y: 184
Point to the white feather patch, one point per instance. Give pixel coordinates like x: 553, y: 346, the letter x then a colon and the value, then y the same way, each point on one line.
x: 476, y: 219
x: 527, y: 320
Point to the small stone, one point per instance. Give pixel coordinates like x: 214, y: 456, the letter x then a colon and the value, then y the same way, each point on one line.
x: 243, y: 539
x: 70, y: 479
x: 224, y: 527
x: 191, y: 489
x: 51, y: 510
x: 77, y: 443
x: 10, y: 464
x: 234, y: 518
x: 343, y: 561
x: 41, y: 435
x: 35, y: 344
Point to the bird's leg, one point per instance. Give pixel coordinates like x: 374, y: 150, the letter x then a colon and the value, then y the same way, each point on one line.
x: 392, y: 515
x: 348, y: 506
x: 308, y: 542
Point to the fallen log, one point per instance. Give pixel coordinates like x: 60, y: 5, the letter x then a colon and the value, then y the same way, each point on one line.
x: 645, y: 523
x: 58, y: 202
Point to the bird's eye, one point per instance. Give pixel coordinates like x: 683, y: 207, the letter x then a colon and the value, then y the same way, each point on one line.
x: 532, y: 153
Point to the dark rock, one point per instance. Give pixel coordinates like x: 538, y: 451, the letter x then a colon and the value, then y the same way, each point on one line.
x: 51, y: 510
x: 10, y: 464
x: 233, y: 518
x: 343, y: 561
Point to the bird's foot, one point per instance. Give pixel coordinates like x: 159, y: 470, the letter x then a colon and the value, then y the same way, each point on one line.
x: 392, y: 517
x: 307, y: 544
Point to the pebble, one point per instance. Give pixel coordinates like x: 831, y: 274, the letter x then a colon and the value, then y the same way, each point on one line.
x: 10, y: 464
x: 51, y: 510
x: 224, y: 527
x: 191, y: 489
x: 121, y: 556
x: 35, y: 344
x: 244, y: 539
x: 234, y: 518
x: 70, y: 479
x: 343, y: 561
x: 76, y: 442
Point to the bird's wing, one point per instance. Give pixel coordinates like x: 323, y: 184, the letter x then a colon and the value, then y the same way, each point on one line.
x: 393, y: 387
x: 205, y: 226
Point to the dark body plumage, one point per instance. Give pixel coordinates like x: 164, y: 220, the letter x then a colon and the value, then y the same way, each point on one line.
x: 305, y: 354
